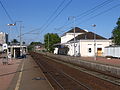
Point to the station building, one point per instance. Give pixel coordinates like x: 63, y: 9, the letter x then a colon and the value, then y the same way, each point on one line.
x: 17, y: 50
x: 86, y: 44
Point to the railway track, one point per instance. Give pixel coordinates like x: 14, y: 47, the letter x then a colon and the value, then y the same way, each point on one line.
x: 107, y: 77
x: 62, y: 80
x: 65, y: 78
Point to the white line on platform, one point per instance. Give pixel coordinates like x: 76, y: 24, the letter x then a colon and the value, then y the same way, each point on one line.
x: 19, y: 78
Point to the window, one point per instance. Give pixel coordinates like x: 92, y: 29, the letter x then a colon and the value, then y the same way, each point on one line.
x: 89, y: 50
x: 89, y: 44
x: 99, y: 44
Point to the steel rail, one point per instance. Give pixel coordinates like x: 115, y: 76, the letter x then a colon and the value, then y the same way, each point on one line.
x: 51, y: 77
x: 92, y: 73
x: 67, y: 76
x: 78, y: 82
x: 43, y: 61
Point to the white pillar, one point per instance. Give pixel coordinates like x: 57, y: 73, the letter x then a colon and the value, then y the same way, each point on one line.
x: 14, y: 53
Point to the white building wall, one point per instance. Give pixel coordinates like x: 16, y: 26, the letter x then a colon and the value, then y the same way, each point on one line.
x: 86, y: 44
x: 68, y: 37
x: 83, y: 46
x: 71, y: 49
x: 3, y: 38
x: 70, y: 46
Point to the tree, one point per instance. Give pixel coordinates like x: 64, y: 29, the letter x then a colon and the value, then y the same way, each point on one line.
x: 116, y: 33
x: 32, y: 45
x: 50, y: 39
x: 23, y: 43
x: 35, y: 43
x: 14, y: 41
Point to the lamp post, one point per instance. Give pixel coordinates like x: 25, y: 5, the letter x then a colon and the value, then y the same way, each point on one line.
x: 20, y: 35
x: 94, y: 43
x: 20, y: 26
x: 73, y: 17
x: 10, y: 37
x: 10, y: 28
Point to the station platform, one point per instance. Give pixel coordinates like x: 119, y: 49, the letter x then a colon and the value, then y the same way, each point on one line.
x: 7, y: 73
x: 103, y: 60
x: 23, y: 74
x: 100, y: 60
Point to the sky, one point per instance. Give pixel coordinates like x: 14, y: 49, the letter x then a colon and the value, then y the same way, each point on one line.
x: 38, y: 17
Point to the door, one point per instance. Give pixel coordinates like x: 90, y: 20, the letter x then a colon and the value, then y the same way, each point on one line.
x: 99, y: 51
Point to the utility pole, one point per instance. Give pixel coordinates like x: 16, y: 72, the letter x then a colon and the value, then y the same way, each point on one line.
x: 74, y: 37
x: 94, y: 42
x: 10, y: 37
x: 73, y: 17
x: 48, y: 42
x: 20, y: 40
x: 20, y: 25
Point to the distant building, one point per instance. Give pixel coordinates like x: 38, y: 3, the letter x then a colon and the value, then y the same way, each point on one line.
x: 39, y: 47
x: 1, y: 48
x: 3, y: 38
x: 3, y: 41
x: 17, y: 50
x: 85, y: 44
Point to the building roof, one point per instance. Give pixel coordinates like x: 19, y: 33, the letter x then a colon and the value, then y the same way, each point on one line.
x: 88, y: 35
x: 77, y: 30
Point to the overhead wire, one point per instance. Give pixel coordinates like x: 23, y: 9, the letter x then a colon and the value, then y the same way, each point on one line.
x: 8, y: 15
x: 95, y: 8
x: 90, y: 11
x: 50, y: 16
x: 55, y: 11
x: 105, y: 11
x: 58, y: 14
x: 47, y: 19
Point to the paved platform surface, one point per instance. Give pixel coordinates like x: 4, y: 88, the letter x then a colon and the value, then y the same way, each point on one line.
x: 101, y: 60
x: 22, y: 74
x: 7, y: 72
